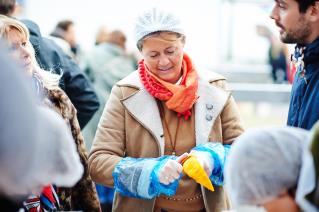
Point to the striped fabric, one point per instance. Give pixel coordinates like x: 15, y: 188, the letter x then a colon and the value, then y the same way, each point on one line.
x: 47, y: 201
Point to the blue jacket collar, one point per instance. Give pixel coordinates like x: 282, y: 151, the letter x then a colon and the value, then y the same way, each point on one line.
x: 311, y: 52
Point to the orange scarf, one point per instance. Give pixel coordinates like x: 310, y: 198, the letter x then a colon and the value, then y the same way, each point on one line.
x: 179, y: 98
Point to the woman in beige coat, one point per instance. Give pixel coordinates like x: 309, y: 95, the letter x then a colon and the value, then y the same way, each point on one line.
x: 154, y: 117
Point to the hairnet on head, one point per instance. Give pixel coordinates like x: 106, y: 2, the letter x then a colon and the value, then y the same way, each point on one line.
x: 263, y: 163
x: 307, y: 191
x: 155, y: 20
x: 28, y: 165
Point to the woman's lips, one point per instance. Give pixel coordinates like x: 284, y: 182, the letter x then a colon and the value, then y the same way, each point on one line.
x: 165, y: 69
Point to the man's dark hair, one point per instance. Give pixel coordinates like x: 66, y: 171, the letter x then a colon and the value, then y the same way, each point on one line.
x: 305, y: 4
x: 7, y: 7
x: 64, y: 25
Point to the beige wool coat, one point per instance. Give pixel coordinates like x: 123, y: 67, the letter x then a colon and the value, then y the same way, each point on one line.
x: 131, y: 126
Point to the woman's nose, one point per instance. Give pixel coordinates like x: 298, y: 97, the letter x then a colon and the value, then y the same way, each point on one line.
x: 23, y: 52
x: 163, y: 61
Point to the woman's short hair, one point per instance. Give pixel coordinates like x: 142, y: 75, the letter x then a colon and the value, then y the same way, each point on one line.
x: 50, y: 80
x: 139, y: 43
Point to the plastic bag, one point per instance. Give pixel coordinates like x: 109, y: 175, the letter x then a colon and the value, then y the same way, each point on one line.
x: 138, y: 177
x: 219, y: 153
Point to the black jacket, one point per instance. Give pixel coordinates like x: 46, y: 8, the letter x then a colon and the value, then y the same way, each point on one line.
x: 75, y: 84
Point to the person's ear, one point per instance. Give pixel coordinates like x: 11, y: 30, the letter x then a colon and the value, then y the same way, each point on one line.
x: 314, y: 12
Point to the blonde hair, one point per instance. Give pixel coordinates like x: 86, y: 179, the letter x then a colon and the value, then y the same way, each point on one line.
x: 50, y: 80
x: 160, y: 34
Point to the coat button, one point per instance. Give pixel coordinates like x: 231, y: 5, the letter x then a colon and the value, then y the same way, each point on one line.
x: 209, y: 117
x: 209, y: 106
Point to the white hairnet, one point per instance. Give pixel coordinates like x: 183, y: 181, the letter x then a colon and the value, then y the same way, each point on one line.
x: 307, y: 177
x: 263, y: 163
x: 28, y: 165
x: 36, y: 146
x: 155, y: 20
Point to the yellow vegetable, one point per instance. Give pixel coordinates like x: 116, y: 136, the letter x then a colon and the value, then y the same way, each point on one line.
x: 194, y: 170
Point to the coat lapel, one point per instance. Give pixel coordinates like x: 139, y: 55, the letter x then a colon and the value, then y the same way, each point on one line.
x: 143, y: 107
x: 209, y: 105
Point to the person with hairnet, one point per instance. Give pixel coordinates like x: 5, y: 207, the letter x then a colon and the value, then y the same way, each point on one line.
x: 263, y: 169
x: 158, y: 114
x: 30, y: 158
x: 307, y: 195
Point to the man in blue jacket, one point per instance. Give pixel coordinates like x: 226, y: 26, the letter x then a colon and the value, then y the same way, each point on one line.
x: 51, y: 57
x: 298, y: 21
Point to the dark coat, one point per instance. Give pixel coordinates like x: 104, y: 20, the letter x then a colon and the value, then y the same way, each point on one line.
x: 304, y: 103
x: 83, y: 195
x: 75, y: 84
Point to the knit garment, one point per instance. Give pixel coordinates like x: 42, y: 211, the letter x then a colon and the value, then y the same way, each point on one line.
x: 178, y: 97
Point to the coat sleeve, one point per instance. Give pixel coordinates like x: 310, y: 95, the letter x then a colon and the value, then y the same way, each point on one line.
x: 109, y: 143
x: 231, y: 122
x: 232, y: 126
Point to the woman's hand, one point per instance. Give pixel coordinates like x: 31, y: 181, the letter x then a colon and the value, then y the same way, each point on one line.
x: 172, y: 170
x: 205, y: 160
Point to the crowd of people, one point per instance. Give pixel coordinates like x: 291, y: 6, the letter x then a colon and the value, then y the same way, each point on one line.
x: 104, y: 131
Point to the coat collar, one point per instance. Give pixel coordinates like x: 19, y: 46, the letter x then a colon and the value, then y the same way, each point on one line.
x: 142, y: 106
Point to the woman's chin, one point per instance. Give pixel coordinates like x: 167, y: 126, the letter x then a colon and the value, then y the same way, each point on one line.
x: 168, y: 76
x: 170, y: 79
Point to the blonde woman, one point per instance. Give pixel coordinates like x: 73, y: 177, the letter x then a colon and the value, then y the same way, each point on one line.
x: 83, y: 195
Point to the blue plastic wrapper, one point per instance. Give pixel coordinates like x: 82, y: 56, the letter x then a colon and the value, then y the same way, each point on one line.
x: 219, y: 154
x: 104, y: 193
x: 138, y: 177
x: 159, y: 188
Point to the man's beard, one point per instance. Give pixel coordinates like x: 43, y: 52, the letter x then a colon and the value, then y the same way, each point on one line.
x: 298, y: 35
